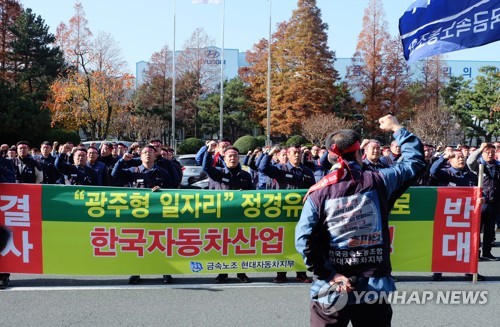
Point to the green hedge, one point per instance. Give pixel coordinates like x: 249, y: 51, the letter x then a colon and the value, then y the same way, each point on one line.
x: 190, y: 145
x: 246, y: 143
x: 296, y: 140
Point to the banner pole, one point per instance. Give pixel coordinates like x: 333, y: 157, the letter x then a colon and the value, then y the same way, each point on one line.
x: 480, y: 194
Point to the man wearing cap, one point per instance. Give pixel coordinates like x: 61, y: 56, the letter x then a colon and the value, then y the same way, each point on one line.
x: 343, y: 231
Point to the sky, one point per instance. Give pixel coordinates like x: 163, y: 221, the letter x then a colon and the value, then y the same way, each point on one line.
x: 144, y: 27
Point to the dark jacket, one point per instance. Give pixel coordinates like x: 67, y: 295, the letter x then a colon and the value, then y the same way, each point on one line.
x: 287, y: 176
x: 7, y: 173
x: 491, y: 176
x: 225, y: 178
x: 141, y: 177
x: 75, y: 175
x: 451, y: 176
x: 343, y: 227
x: 50, y: 173
x: 26, y: 169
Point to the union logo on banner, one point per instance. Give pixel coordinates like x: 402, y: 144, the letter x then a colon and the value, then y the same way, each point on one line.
x: 20, y: 213
x: 456, y: 230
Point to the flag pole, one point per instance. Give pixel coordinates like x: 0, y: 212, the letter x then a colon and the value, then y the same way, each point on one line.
x: 268, y: 140
x: 173, y: 143
x: 480, y: 195
x: 221, y: 103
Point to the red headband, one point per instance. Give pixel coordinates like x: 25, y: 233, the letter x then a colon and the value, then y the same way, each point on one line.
x: 354, y: 147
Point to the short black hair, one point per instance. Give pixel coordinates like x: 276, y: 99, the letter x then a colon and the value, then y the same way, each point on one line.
x: 149, y: 146
x: 81, y: 148
x: 155, y: 141
x: 232, y: 148
x: 23, y: 143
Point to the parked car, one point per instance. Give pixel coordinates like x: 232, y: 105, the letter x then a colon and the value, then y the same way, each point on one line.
x: 191, y: 171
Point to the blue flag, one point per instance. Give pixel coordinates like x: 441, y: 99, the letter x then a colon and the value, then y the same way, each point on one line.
x: 431, y: 27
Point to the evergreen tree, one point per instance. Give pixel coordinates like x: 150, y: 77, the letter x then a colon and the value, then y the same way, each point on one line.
x: 10, y: 10
x: 235, y: 112
x: 30, y: 63
x: 476, y: 105
x: 38, y: 62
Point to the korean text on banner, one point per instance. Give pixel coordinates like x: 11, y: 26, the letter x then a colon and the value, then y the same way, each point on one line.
x: 76, y: 230
x: 432, y: 27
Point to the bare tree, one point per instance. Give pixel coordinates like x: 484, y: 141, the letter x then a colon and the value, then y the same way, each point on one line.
x: 198, y: 70
x: 435, y: 125
x: 316, y: 128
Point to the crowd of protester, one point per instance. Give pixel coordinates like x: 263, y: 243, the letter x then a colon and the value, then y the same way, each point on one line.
x: 154, y: 166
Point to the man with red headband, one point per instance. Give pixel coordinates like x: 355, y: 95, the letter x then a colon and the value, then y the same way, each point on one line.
x: 343, y: 231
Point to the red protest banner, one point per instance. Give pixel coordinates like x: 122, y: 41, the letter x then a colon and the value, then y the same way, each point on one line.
x: 20, y: 212
x: 456, y: 230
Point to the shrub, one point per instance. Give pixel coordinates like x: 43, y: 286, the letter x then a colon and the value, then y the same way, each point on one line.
x: 246, y: 143
x: 190, y: 145
x: 296, y: 140
x: 261, y: 139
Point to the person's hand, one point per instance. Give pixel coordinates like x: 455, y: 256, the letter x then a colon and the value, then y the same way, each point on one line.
x: 483, y: 145
x: 389, y: 123
x: 273, y: 150
x: 249, y: 153
x: 212, y: 145
x: 127, y: 156
x: 344, y: 284
x: 364, y: 143
x: 448, y: 153
x: 64, y: 149
x: 156, y: 188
